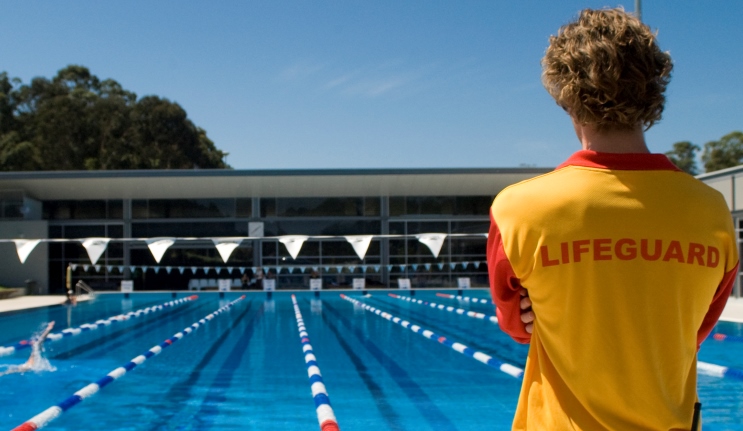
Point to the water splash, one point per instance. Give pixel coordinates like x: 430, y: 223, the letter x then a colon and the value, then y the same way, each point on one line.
x: 36, y: 363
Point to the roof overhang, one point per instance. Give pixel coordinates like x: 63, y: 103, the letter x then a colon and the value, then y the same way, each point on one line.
x: 199, y: 184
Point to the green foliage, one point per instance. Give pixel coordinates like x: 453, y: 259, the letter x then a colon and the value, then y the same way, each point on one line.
x: 684, y: 156
x: 725, y: 153
x: 75, y: 121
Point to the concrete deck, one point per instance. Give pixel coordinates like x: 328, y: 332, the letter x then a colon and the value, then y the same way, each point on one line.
x: 733, y: 310
x: 26, y: 302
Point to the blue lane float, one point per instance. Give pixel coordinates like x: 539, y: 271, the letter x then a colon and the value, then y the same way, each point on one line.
x: 473, y: 314
x: 325, y: 415
x: 486, y: 359
x: 465, y: 298
x: 44, y: 418
x: 9, y: 350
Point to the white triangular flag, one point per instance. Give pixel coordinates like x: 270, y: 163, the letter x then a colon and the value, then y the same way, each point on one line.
x: 225, y: 246
x: 95, y: 248
x: 24, y: 247
x: 433, y: 241
x: 181, y: 269
x: 293, y: 243
x: 158, y: 246
x: 360, y: 244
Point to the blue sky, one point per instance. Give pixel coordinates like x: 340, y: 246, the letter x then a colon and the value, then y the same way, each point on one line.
x: 374, y: 84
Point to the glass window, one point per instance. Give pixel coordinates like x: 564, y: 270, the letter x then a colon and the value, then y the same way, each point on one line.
x: 319, y: 207
x: 139, y: 209
x: 397, y: 206
x: 115, y: 209
x: 440, y: 205
x: 372, y: 206
x: 244, y: 207
x: 193, y: 229
x: 89, y: 210
x: 323, y: 227
x: 473, y: 205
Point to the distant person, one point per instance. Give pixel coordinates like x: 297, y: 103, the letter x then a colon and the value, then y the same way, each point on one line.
x: 615, y: 266
x: 259, y: 279
x: 245, y: 279
x: 36, y: 346
x: 71, y: 298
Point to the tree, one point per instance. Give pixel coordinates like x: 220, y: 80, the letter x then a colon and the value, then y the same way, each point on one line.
x: 75, y: 121
x: 725, y: 153
x: 684, y: 155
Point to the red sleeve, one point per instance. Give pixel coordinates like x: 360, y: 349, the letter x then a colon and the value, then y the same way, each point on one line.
x: 718, y: 304
x: 504, y: 287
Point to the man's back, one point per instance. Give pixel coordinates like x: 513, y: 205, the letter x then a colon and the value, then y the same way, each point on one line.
x: 622, y: 256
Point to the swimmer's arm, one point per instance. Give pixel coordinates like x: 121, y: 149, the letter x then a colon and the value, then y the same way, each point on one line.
x: 506, y: 289
x: 46, y: 332
x: 718, y: 304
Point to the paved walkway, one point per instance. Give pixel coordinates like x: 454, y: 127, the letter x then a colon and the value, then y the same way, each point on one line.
x: 25, y: 302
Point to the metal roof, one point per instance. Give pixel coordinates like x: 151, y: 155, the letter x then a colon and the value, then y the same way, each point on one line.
x: 222, y: 183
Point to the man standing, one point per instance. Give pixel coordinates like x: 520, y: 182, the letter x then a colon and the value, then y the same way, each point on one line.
x: 617, y: 265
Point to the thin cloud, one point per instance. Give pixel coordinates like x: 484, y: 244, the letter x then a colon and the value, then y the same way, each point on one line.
x: 299, y: 71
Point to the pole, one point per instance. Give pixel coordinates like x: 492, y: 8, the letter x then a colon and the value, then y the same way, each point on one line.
x: 638, y: 9
x: 69, y: 278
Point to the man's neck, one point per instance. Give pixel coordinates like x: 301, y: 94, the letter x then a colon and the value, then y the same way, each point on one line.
x: 611, y: 141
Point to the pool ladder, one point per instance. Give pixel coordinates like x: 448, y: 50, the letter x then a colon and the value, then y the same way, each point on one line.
x: 81, y: 285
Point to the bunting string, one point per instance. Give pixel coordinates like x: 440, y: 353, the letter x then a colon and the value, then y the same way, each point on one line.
x: 96, y: 247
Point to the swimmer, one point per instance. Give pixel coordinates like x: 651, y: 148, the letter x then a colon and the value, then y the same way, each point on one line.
x: 36, y: 344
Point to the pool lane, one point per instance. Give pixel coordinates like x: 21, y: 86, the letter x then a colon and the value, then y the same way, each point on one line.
x: 246, y: 370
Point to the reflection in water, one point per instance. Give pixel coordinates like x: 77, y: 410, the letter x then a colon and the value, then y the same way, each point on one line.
x: 316, y: 306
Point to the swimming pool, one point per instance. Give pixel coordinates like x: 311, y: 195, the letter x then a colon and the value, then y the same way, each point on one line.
x: 245, y: 368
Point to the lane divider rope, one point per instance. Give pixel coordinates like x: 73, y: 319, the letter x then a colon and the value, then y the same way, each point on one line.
x: 718, y: 370
x: 42, y: 419
x: 69, y: 332
x: 450, y: 309
x: 465, y: 298
x: 325, y: 415
x: 486, y: 359
x: 723, y: 337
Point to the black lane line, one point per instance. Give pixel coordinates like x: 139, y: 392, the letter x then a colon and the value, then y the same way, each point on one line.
x: 380, y: 398
x: 440, y: 327
x: 140, y: 328
x: 180, y: 392
x: 222, y: 381
x: 428, y: 409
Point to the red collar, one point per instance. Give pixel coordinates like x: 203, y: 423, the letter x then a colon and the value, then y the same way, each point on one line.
x: 622, y: 162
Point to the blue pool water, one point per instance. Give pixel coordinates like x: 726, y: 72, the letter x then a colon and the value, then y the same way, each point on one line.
x: 245, y: 368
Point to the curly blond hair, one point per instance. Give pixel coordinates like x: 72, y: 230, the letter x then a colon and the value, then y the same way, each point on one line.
x: 607, y: 70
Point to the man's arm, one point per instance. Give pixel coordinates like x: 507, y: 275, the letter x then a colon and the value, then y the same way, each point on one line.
x: 506, y: 289
x: 718, y: 304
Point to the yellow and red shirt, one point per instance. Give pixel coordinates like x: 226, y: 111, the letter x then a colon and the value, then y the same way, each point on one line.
x: 628, y: 263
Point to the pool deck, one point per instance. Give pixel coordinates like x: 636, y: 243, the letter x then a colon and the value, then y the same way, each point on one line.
x: 26, y: 302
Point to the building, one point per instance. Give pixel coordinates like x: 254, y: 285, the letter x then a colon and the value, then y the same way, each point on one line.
x: 262, y: 205
x: 394, y: 205
x: 729, y: 182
